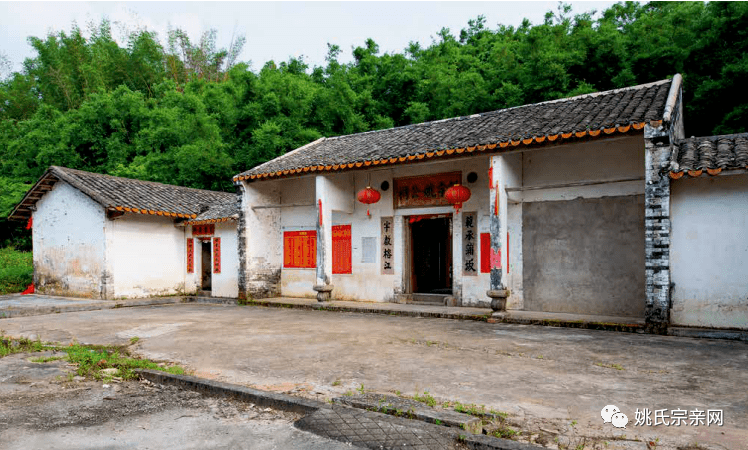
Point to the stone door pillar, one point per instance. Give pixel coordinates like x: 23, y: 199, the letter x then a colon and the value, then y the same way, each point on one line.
x: 498, y: 219
x: 323, y: 285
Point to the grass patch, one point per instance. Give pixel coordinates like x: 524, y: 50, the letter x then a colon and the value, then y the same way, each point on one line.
x: 16, y: 270
x: 505, y: 433
x: 425, y: 398
x: 9, y: 346
x: 90, y: 359
x: 46, y: 359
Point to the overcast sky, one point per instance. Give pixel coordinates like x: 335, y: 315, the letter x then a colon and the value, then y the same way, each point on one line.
x: 274, y: 30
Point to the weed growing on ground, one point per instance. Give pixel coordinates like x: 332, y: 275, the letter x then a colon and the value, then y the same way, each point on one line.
x: 425, y: 398
x: 610, y: 366
x: 504, y: 433
x: 134, y: 340
x: 336, y: 382
x: 90, y: 359
x: 9, y: 346
x: 45, y: 359
x: 361, y: 389
x: 348, y: 393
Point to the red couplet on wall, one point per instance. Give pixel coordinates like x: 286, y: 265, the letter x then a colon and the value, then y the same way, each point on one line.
x: 300, y: 249
x: 485, y: 252
x: 341, y: 249
x: 190, y: 255
x: 216, y: 255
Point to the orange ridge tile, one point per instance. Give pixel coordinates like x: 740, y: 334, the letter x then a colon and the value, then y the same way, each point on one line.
x: 714, y: 171
x: 552, y: 138
x: 515, y: 143
x: 566, y: 135
x: 459, y: 150
x: 539, y: 139
x: 527, y: 141
x: 624, y: 129
x: 491, y: 146
x: 439, y: 152
x: 695, y: 173
x: 450, y: 151
x: 638, y: 126
x: 594, y: 133
x: 580, y: 134
x: 609, y: 130
x: 503, y: 144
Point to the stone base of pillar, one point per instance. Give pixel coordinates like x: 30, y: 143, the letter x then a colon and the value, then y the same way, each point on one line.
x: 498, y: 299
x: 324, y: 292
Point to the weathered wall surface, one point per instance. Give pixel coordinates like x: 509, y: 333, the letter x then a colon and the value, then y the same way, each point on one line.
x: 585, y: 256
x: 226, y: 283
x: 68, y: 240
x: 709, y: 251
x: 148, y: 256
x: 260, y: 240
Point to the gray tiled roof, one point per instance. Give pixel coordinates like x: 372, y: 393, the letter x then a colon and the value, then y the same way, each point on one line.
x: 711, y: 153
x: 577, y: 116
x: 225, y: 210
x: 125, y: 194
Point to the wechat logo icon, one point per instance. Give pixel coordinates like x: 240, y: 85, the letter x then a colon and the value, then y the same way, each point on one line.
x: 611, y: 414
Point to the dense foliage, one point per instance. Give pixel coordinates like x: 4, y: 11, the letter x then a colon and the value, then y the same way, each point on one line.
x: 16, y: 270
x: 189, y: 114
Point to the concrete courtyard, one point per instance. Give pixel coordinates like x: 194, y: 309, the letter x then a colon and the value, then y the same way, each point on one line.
x: 542, y: 376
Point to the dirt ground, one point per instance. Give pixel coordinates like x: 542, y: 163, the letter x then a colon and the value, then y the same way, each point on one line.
x: 42, y: 408
x: 551, y: 381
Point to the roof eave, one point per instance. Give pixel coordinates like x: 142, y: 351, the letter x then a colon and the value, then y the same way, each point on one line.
x: 435, y: 154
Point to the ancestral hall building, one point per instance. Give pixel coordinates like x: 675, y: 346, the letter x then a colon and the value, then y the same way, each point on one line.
x: 596, y: 204
x: 578, y: 205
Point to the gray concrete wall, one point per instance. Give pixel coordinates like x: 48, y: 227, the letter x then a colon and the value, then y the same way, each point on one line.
x: 584, y: 256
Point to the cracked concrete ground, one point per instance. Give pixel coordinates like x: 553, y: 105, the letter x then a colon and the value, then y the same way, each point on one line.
x: 552, y: 381
x: 40, y: 409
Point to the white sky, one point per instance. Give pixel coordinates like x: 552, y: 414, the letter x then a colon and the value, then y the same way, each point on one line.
x: 274, y: 30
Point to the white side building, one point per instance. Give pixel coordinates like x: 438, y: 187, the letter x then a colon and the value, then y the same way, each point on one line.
x: 99, y: 236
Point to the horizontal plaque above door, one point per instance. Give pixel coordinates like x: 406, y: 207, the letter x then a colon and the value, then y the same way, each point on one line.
x: 424, y: 190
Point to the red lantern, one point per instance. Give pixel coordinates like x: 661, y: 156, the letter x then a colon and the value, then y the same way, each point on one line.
x: 368, y: 196
x: 457, y: 195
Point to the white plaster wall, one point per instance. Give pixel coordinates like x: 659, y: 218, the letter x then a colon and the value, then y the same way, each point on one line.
x: 68, y: 242
x: 709, y: 251
x: 148, y: 254
x: 226, y: 283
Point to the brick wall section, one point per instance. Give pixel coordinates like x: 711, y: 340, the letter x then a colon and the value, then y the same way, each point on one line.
x: 657, y: 229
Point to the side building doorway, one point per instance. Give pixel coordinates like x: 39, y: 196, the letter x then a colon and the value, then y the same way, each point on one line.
x: 431, y: 257
x: 206, y: 258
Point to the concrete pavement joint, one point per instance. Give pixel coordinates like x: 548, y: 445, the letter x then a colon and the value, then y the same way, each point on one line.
x: 343, y: 423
